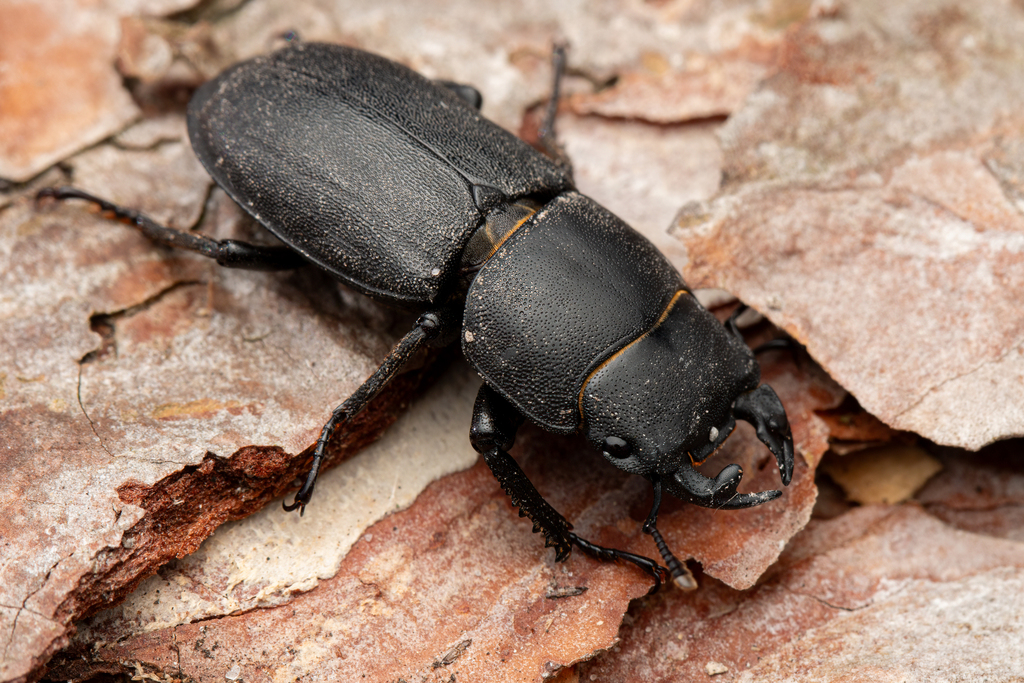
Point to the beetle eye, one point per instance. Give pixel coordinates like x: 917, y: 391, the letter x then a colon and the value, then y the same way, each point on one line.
x: 616, y: 447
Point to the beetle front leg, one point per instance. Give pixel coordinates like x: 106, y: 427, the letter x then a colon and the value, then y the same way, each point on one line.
x: 228, y: 253
x: 495, y: 422
x: 430, y: 327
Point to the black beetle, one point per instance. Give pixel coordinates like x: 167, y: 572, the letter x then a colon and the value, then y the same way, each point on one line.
x: 396, y: 185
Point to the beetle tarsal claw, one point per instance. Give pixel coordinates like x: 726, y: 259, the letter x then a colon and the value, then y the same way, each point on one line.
x: 763, y: 409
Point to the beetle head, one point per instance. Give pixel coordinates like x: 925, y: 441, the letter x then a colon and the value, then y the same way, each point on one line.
x: 670, y: 399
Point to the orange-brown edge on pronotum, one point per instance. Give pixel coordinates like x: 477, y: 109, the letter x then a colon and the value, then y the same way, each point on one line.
x: 661, y: 319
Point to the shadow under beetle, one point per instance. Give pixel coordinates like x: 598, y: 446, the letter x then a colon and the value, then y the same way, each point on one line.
x: 397, y: 186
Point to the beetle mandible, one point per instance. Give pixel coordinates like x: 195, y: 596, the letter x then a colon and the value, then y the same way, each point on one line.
x: 397, y: 186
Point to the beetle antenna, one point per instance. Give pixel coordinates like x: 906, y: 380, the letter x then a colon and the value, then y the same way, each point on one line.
x: 681, y: 575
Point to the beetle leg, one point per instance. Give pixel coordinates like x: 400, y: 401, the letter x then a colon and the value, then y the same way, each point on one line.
x: 659, y: 573
x: 466, y: 93
x: 689, y: 485
x: 428, y: 327
x: 548, y: 138
x: 780, y: 344
x: 228, y: 253
x: 763, y: 409
x: 730, y: 323
x: 493, y: 432
x: 495, y: 423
